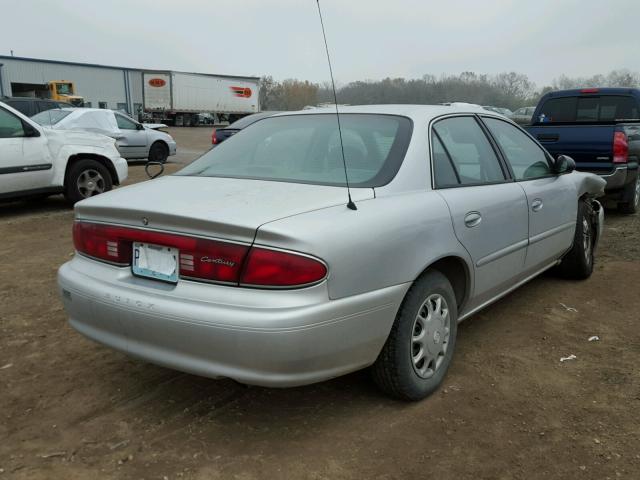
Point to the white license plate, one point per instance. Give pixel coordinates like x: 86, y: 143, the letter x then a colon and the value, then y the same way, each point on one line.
x: 155, y: 261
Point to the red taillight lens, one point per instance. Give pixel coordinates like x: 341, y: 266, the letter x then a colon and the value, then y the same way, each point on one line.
x: 199, y: 258
x: 273, y: 268
x: 590, y: 90
x: 214, y: 138
x: 620, y: 148
x: 102, y: 242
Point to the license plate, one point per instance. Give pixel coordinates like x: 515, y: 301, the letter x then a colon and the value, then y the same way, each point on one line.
x: 155, y: 261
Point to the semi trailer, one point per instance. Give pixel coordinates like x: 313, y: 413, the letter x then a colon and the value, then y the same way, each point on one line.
x: 178, y: 98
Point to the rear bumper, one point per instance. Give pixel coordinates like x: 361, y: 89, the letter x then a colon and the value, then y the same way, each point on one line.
x: 261, y: 337
x: 620, y: 177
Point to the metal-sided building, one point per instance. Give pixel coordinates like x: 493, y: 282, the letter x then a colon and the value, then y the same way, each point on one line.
x: 123, y: 88
x: 118, y: 88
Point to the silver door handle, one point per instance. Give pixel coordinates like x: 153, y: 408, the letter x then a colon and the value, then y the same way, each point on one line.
x: 537, y: 205
x: 472, y: 219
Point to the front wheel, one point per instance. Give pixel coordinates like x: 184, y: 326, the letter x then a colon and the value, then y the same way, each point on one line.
x: 86, y: 178
x: 158, y: 152
x: 578, y: 262
x: 419, y: 349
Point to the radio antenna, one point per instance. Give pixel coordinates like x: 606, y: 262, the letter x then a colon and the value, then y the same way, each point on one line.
x: 350, y: 203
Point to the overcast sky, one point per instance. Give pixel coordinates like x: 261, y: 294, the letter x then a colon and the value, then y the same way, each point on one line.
x: 369, y: 39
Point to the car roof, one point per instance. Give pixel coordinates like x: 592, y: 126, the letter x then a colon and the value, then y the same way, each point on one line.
x: 417, y: 112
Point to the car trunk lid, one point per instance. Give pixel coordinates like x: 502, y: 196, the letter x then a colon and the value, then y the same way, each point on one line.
x: 225, y: 208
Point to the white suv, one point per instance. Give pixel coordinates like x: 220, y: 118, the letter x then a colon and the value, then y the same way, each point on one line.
x: 37, y: 161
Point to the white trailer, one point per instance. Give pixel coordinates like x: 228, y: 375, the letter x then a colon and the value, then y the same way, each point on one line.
x: 178, y: 98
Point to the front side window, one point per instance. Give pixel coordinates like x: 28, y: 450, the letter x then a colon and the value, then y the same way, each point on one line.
x: 125, y: 124
x: 306, y: 149
x: 63, y: 89
x: 527, y: 159
x: 471, y: 155
x: 10, y: 125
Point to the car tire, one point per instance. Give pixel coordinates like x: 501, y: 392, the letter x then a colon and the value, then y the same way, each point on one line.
x: 426, y: 324
x: 86, y: 178
x: 158, y: 152
x: 632, y: 192
x: 578, y: 262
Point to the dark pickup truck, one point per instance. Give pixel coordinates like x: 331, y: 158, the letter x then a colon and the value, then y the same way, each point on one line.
x: 600, y: 129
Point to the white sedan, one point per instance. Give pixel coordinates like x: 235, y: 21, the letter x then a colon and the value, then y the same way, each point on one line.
x: 134, y: 140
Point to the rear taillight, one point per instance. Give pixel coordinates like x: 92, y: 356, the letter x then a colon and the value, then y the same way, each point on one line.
x: 214, y: 138
x: 620, y: 148
x: 275, y: 268
x: 102, y: 242
x: 201, y: 258
x: 590, y: 90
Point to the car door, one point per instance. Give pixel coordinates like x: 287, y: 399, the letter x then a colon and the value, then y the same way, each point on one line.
x: 488, y: 209
x: 552, y: 199
x: 134, y: 140
x: 25, y: 161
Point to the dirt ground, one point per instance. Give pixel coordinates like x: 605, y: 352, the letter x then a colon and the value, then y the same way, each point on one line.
x: 509, y: 409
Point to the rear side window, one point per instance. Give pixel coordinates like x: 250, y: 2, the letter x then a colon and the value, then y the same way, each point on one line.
x: 471, y: 155
x: 527, y: 160
x: 606, y: 108
x: 444, y: 172
x: 124, y: 123
x: 50, y: 117
x: 10, y: 125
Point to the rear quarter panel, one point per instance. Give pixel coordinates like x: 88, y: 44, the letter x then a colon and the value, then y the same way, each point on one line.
x: 388, y: 241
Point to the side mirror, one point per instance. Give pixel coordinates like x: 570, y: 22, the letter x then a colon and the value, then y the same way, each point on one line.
x: 30, y: 130
x: 564, y: 164
x: 139, y: 126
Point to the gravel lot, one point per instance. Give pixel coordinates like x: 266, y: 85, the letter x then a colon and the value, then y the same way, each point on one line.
x: 508, y: 410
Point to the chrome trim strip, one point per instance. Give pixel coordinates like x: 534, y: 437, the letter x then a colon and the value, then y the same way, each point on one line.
x: 549, y: 233
x: 502, y: 253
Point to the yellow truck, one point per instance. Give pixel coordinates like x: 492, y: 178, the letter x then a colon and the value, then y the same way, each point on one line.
x: 64, y: 91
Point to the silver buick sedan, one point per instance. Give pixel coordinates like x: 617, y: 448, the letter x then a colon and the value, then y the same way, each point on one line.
x: 248, y: 263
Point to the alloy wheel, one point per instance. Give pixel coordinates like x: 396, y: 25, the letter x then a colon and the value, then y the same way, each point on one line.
x: 90, y: 182
x: 430, y: 336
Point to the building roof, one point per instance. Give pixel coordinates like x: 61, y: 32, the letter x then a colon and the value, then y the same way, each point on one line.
x: 113, y: 67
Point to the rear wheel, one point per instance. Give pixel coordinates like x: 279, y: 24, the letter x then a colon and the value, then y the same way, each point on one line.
x: 158, y: 152
x: 632, y: 193
x: 578, y: 263
x: 86, y: 178
x: 419, y: 349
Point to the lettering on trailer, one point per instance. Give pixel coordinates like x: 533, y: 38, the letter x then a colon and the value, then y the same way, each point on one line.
x: 157, y: 82
x: 243, y: 92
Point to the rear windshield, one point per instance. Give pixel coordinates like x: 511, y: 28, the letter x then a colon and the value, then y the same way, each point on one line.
x: 50, y: 117
x: 590, y: 108
x: 306, y: 149
x: 248, y: 120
